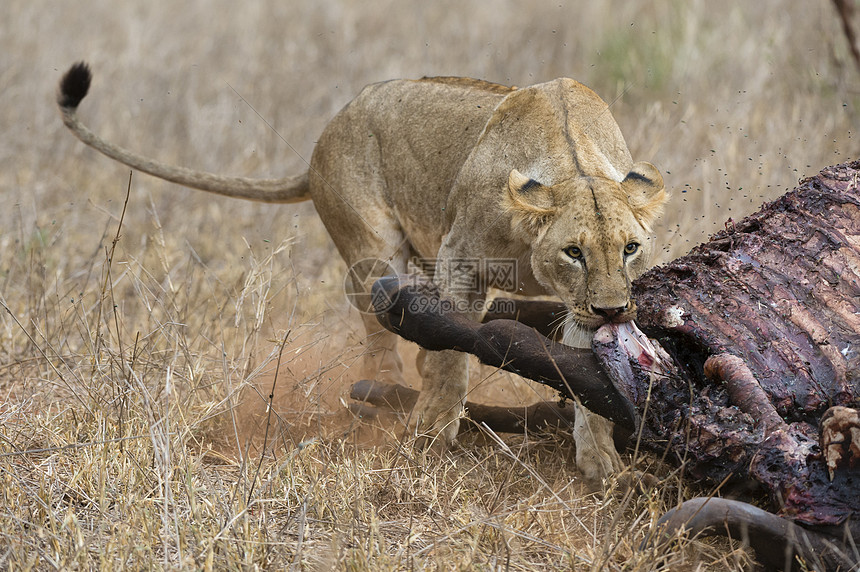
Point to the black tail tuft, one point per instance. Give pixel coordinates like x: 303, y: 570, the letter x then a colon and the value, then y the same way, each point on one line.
x: 74, y: 85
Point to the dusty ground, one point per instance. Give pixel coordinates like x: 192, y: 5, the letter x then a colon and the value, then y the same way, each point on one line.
x: 135, y: 377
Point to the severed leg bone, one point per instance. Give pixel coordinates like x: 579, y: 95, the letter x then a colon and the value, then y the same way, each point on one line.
x: 776, y: 540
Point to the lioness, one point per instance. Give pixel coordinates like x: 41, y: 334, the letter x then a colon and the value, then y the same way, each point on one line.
x: 457, y: 169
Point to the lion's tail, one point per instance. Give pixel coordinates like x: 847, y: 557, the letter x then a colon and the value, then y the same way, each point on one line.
x: 74, y: 87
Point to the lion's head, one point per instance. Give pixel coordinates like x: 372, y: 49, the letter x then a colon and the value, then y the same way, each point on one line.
x: 590, y: 238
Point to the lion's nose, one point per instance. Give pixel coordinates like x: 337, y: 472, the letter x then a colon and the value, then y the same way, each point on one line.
x: 608, y: 314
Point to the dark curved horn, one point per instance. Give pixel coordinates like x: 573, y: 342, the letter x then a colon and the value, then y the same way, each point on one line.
x: 776, y: 540
x: 413, y: 311
x: 543, y: 315
x: 534, y: 418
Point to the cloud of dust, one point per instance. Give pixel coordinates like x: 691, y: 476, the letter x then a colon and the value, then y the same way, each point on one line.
x: 309, y: 392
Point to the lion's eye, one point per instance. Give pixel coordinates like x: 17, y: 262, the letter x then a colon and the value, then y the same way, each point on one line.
x: 631, y: 248
x: 573, y: 252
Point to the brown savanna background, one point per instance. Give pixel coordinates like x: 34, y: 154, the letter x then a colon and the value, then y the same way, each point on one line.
x: 134, y: 372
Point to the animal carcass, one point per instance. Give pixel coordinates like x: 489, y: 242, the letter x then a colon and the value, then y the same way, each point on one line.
x: 749, y: 370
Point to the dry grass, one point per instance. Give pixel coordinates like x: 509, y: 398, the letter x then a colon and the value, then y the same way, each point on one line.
x: 135, y: 383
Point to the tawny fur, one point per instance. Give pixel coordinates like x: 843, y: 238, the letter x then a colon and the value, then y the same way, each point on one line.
x: 453, y: 168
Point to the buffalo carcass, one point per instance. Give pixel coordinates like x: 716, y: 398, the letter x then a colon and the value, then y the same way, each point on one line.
x: 749, y: 372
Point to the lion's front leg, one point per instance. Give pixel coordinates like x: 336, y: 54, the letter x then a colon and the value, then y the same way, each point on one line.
x: 436, y: 415
x: 596, y: 456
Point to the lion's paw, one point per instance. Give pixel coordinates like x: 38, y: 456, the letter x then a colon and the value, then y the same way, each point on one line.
x: 433, y: 424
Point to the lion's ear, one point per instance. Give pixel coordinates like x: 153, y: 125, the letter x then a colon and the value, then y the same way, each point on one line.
x: 645, y: 193
x: 530, y: 204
